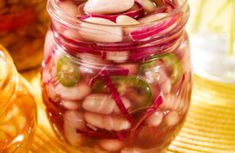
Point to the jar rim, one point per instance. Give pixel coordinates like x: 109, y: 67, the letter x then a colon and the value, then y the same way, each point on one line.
x: 55, y: 11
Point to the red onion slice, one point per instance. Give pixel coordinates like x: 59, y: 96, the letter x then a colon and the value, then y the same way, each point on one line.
x: 117, y: 98
x: 172, y: 3
x: 136, y: 12
x: 151, y: 110
x: 145, y: 52
x: 17, y: 20
x: 49, y: 57
x: 150, y: 31
x: 117, y: 71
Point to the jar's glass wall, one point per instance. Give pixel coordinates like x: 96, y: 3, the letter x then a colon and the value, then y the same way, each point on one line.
x: 22, y: 30
x: 17, y: 109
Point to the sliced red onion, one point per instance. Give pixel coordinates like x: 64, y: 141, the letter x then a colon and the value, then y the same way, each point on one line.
x: 134, y: 13
x: 145, y: 52
x: 152, y: 30
x: 74, y: 46
x: 117, y: 98
x: 162, y: 9
x: 17, y: 20
x: 117, y: 71
x: 172, y: 3
x: 49, y: 57
x: 150, y: 111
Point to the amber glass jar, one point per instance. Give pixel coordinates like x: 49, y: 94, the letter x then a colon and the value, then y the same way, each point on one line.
x: 117, y: 88
x: 22, y: 30
x: 17, y: 108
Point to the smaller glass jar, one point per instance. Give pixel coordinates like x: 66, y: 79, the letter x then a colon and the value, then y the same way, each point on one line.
x: 17, y: 108
x: 26, y: 21
x: 213, y: 40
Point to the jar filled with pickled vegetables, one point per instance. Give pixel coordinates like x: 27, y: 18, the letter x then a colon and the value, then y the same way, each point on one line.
x: 17, y: 108
x: 22, y: 30
x: 116, y: 75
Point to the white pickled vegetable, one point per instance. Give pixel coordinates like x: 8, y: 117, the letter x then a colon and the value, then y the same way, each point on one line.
x: 99, y: 30
x: 108, y: 6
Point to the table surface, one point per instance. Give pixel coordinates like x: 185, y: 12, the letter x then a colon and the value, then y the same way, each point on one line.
x: 209, y: 128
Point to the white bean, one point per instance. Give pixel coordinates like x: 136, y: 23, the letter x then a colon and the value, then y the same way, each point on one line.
x: 103, y: 104
x: 108, y: 6
x: 172, y: 118
x: 126, y: 20
x: 155, y: 119
x: 111, y: 145
x: 50, y: 91
x: 148, y: 5
x: 70, y: 105
x: 166, y: 86
x: 101, y: 33
x: 168, y: 102
x: 164, y: 81
x: 77, y: 92
x: 69, y: 7
x: 107, y: 122
x: 73, y: 121
x: 117, y: 57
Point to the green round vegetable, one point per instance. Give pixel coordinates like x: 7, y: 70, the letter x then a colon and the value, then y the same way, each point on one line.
x: 67, y: 72
x: 170, y: 61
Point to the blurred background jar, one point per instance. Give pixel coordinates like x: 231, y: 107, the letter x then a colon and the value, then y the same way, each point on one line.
x: 17, y: 108
x: 212, y: 27
x: 22, y: 29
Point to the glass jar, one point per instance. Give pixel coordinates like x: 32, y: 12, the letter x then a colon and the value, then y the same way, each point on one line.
x: 17, y: 108
x: 26, y: 21
x: 109, y: 94
x: 213, y: 40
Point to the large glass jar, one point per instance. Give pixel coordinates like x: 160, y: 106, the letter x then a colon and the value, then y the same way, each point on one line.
x: 113, y: 88
x: 17, y: 108
x: 22, y: 30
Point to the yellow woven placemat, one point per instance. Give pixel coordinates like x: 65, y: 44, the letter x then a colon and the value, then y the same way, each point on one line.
x: 209, y: 128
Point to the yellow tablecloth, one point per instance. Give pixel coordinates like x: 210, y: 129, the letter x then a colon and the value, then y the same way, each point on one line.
x: 209, y: 128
